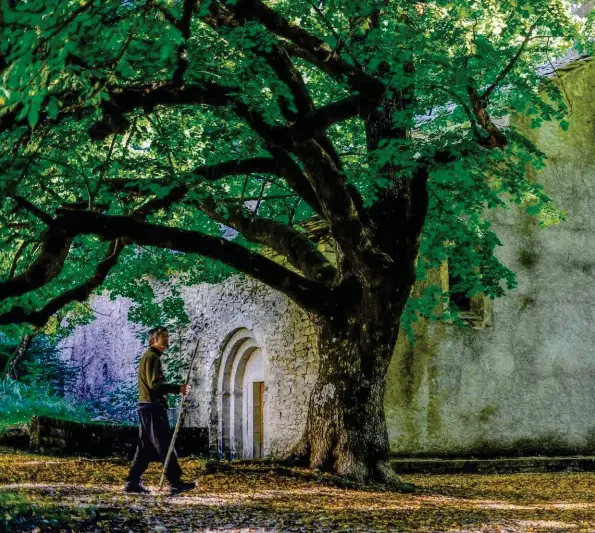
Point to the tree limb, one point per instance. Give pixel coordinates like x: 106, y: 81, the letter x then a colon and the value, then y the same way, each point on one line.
x: 10, y: 370
x: 234, y: 167
x: 281, y: 238
x: 19, y: 315
x: 341, y: 211
x: 495, y: 137
x: 126, y: 99
x: 486, y: 95
x: 33, y: 209
x: 308, y: 294
x: 313, y: 49
x: 295, y: 177
x: 17, y: 257
x: 46, y: 267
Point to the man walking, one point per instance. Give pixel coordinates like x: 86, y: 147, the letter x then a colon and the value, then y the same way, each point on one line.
x: 154, y: 433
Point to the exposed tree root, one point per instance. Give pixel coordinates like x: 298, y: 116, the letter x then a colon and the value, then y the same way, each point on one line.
x: 341, y: 469
x: 299, y: 454
x: 386, y: 474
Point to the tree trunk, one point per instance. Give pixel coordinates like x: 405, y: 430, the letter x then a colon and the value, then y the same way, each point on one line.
x: 346, y: 427
x: 11, y: 368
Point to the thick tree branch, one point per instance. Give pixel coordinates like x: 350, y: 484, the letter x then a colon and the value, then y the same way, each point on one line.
x: 17, y: 257
x: 234, y: 167
x: 495, y: 137
x: 291, y: 244
x: 313, y: 49
x: 46, y: 267
x: 311, y: 121
x: 19, y: 315
x: 33, y: 209
x: 168, y: 16
x: 308, y: 294
x: 147, y: 97
x: 295, y: 177
x: 281, y: 238
x: 278, y: 59
x: 308, y: 121
x: 341, y: 211
x: 318, y: 120
x: 126, y: 99
x: 55, y: 249
x: 281, y: 165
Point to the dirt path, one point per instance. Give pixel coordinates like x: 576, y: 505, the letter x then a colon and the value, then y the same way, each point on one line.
x: 82, y: 495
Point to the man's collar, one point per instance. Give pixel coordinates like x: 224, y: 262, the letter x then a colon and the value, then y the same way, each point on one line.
x: 156, y: 350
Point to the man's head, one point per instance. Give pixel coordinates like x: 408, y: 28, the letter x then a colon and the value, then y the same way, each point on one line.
x: 159, y: 338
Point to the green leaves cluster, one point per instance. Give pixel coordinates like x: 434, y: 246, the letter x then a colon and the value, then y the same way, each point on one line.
x: 62, y: 61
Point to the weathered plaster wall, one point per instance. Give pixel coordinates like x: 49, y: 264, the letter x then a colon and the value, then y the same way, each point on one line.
x: 528, y: 381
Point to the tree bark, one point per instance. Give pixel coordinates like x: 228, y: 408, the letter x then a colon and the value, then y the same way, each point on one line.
x: 11, y: 368
x: 346, y: 429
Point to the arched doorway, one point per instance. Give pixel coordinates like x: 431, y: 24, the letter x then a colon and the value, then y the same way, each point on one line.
x: 241, y: 395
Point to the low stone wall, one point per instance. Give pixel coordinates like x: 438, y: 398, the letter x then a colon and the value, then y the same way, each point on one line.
x: 494, y: 466
x: 17, y: 438
x: 61, y: 437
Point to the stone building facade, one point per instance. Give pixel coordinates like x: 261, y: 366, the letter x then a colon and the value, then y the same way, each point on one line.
x: 522, y: 378
x: 255, y: 365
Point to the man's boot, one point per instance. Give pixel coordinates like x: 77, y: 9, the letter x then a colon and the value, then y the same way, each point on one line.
x: 136, y: 488
x: 181, y: 486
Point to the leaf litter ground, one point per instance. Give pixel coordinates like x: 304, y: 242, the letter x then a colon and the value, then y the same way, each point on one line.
x: 42, y: 494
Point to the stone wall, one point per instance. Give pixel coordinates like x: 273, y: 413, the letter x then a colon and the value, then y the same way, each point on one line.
x: 284, y: 334
x: 52, y: 436
x: 525, y: 383
x: 282, y: 331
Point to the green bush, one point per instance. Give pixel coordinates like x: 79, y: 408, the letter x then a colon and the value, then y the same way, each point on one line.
x: 44, y: 366
x: 20, y: 401
x: 118, y: 403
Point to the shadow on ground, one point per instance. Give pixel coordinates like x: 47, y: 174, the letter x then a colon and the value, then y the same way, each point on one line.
x: 81, y: 495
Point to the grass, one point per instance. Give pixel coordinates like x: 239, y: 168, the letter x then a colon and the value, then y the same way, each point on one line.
x: 20, y: 401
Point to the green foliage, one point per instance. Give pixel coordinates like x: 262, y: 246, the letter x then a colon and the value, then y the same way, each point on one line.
x: 118, y: 403
x: 67, y: 56
x: 20, y: 401
x: 42, y: 365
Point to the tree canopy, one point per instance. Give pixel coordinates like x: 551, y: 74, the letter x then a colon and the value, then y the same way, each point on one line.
x: 133, y: 130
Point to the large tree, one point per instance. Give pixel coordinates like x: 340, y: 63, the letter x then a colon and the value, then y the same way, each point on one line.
x: 134, y: 132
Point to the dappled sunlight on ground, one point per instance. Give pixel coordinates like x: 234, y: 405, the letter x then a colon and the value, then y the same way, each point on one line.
x: 88, y: 494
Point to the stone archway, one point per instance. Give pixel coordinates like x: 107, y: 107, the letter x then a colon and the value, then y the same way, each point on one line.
x: 241, y: 398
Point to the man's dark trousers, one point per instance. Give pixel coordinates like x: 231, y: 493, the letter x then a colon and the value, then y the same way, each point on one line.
x: 154, y: 441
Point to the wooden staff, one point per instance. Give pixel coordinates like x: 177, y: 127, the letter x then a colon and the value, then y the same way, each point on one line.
x: 179, y: 422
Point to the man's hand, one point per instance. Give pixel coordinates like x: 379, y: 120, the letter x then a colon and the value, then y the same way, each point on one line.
x: 185, y: 389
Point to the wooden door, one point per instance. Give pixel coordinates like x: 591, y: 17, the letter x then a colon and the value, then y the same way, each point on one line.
x: 257, y: 418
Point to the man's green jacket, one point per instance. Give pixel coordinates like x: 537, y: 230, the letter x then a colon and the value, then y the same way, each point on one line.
x: 152, y: 386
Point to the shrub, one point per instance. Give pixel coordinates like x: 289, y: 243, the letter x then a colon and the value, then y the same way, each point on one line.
x: 20, y: 401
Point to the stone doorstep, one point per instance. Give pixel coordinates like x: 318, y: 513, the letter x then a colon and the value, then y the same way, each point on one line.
x: 503, y: 465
